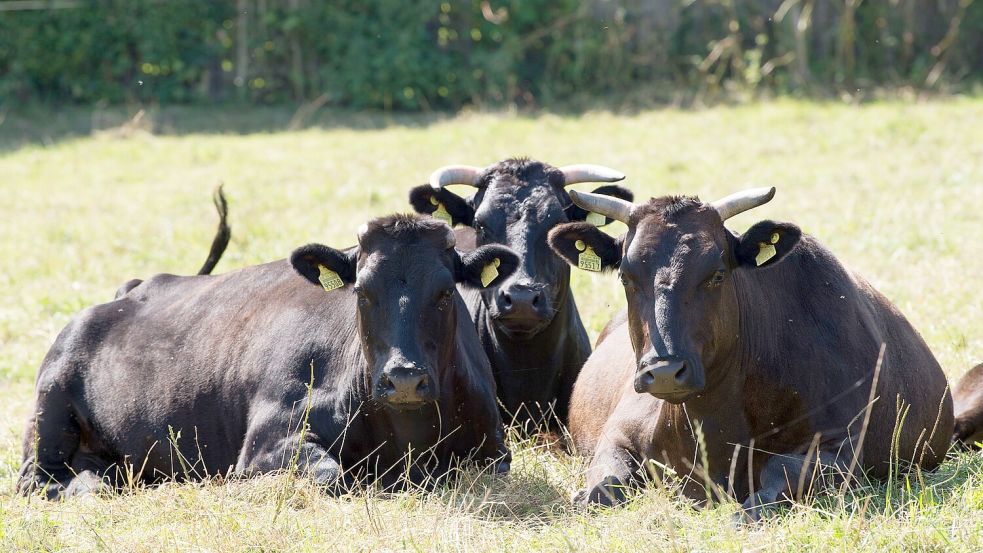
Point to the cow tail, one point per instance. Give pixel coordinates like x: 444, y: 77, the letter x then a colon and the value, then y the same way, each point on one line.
x: 222, y: 234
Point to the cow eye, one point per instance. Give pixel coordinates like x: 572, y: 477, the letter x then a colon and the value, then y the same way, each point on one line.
x: 717, y: 278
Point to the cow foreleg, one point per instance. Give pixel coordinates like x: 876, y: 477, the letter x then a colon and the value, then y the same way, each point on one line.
x: 612, y: 471
x: 787, y: 478
x: 309, y: 459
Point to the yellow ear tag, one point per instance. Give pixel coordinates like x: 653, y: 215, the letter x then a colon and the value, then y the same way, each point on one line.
x: 490, y: 272
x: 329, y: 279
x: 766, y: 251
x: 587, y: 260
x: 596, y: 219
x: 441, y: 212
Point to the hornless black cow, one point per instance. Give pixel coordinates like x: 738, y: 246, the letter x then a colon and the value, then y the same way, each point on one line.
x: 250, y: 371
x: 967, y: 397
x: 221, y: 241
x: 759, y: 341
x: 529, y: 327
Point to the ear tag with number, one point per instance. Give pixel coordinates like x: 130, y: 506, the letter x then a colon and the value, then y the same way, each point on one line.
x: 587, y: 260
x: 596, y: 219
x: 766, y: 250
x: 441, y: 212
x: 329, y: 279
x: 490, y: 272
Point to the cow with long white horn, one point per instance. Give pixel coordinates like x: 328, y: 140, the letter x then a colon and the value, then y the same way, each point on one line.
x: 757, y: 345
x: 529, y: 326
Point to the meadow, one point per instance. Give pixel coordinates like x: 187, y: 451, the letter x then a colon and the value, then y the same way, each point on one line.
x: 894, y: 189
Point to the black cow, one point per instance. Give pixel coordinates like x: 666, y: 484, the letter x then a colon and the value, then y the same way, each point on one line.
x: 760, y: 341
x: 251, y: 371
x: 529, y: 327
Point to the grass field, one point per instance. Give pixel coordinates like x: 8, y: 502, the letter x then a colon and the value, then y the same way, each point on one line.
x: 895, y: 190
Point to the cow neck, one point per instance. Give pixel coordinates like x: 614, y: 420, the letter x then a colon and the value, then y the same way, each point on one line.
x: 719, y: 414
x: 398, y: 430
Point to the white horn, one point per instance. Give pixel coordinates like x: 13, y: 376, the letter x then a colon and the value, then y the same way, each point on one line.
x: 586, y: 172
x: 454, y: 174
x: 739, y: 202
x: 609, y: 206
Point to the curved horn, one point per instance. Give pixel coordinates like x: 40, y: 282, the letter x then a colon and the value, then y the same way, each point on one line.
x: 586, y: 172
x: 454, y: 174
x: 739, y: 202
x: 609, y: 206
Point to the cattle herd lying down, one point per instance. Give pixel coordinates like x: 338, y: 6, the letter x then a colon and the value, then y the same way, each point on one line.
x: 752, y: 366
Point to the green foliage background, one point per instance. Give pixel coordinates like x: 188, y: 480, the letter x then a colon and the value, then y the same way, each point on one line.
x: 423, y: 55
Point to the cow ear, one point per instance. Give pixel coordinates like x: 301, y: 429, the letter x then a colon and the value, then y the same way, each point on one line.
x: 442, y: 204
x: 486, y: 266
x: 577, y: 213
x: 575, y: 242
x: 766, y: 243
x: 325, y: 266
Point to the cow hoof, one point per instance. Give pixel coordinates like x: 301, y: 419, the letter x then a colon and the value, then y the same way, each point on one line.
x: 86, y: 483
x: 746, y: 517
x: 503, y: 467
x: 51, y: 490
x: 608, y: 493
x: 755, y: 507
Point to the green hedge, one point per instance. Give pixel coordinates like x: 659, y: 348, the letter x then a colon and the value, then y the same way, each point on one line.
x: 413, y: 55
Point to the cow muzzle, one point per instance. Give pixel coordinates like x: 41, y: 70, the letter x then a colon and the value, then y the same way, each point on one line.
x: 673, y: 379
x: 405, y: 386
x: 522, y: 309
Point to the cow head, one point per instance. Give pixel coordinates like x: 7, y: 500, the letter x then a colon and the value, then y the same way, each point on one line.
x: 517, y: 202
x: 679, y: 266
x: 403, y: 272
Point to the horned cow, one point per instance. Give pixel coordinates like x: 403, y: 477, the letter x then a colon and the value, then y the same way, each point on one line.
x: 761, y: 342
x: 530, y: 327
x: 353, y: 365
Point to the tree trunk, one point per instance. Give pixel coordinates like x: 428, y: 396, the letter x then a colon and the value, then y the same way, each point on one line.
x: 242, y: 47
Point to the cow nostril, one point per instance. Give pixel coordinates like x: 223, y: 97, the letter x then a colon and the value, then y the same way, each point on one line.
x: 423, y: 386
x: 681, y: 373
x: 506, y: 300
x: 387, y: 386
x: 535, y: 299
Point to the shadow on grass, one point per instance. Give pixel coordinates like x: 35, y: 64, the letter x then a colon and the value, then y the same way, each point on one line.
x: 961, y: 470
x: 46, y: 125
x: 904, y: 493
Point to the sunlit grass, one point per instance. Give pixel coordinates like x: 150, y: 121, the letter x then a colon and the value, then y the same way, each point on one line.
x: 895, y: 190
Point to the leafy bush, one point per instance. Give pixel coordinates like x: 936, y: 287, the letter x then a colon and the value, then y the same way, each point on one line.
x: 420, y: 55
